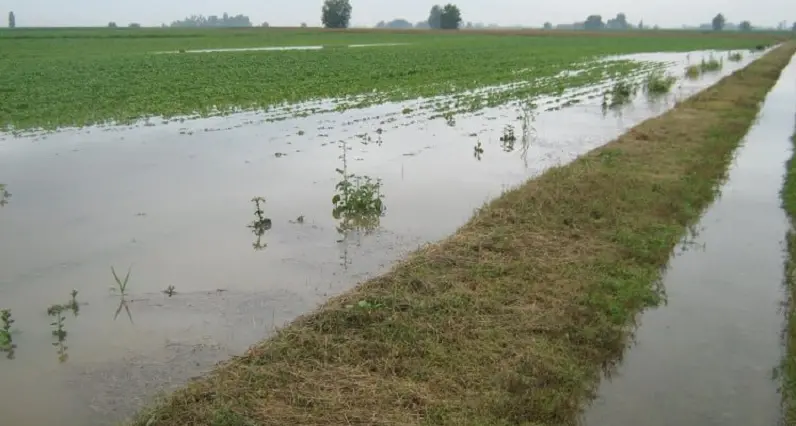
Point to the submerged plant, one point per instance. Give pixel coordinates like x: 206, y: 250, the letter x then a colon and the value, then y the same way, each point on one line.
x: 121, y: 284
x: 658, y: 83
x: 712, y: 64
x: 6, y: 340
x: 508, y: 138
x: 478, y: 151
x: 621, y: 93
x: 59, y: 331
x: 693, y: 71
x: 169, y: 291
x: 735, y: 56
x: 4, y: 195
x: 260, y: 223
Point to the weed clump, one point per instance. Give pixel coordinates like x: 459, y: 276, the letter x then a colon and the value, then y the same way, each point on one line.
x: 621, y: 93
x: 735, y: 56
x: 712, y: 64
x: 659, y: 83
x: 693, y: 71
x: 6, y: 341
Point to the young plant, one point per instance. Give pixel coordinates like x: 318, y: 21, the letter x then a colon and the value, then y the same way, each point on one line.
x: 478, y: 151
x: 169, y: 291
x: 6, y: 340
x: 358, y: 201
x: 659, y: 83
x: 59, y: 331
x: 621, y: 93
x: 508, y: 138
x: 260, y: 223
x: 735, y: 56
x: 121, y: 284
x: 4, y: 195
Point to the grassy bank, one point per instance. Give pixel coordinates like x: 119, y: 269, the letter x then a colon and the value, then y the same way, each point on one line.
x: 509, y: 320
x: 789, y: 361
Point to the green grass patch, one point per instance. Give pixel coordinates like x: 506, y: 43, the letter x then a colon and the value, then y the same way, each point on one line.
x: 511, y: 319
x: 711, y: 64
x: 76, y: 77
x: 693, y: 71
x: 788, y: 369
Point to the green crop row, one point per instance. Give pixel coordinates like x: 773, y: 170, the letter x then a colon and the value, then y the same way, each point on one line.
x: 81, y: 77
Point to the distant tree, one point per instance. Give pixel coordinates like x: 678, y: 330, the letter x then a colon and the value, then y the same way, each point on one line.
x: 594, y: 22
x: 336, y: 13
x: 435, y: 17
x: 111, y: 24
x: 451, y: 17
x: 718, y: 22
x: 303, y: 25
x: 469, y: 25
x: 422, y: 25
x: 745, y: 26
x: 548, y: 26
x: 618, y: 23
x: 398, y: 23
x: 794, y: 27
x: 12, y: 20
x: 265, y: 25
x: 214, y: 21
x: 641, y: 24
x: 134, y: 25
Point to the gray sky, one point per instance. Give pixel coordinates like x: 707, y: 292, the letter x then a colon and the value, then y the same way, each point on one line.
x: 666, y: 13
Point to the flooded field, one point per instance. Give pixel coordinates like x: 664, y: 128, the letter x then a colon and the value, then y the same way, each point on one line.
x: 709, y: 355
x: 213, y: 268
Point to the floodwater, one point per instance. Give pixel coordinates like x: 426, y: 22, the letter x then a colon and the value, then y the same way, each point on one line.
x: 172, y: 203
x: 708, y: 356
x: 281, y: 48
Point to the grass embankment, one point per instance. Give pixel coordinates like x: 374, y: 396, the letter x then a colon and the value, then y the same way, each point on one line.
x: 509, y: 320
x: 789, y: 361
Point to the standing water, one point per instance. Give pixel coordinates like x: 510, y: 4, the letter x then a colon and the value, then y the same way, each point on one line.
x: 707, y: 357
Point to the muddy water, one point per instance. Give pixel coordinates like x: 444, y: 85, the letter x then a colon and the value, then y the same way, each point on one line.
x: 172, y: 203
x: 706, y: 358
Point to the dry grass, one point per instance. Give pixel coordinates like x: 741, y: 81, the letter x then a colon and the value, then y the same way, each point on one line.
x: 510, y: 320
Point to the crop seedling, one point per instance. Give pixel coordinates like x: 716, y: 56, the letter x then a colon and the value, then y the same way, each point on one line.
x: 621, y: 93
x: 508, y: 138
x: 478, y: 151
x: 6, y: 340
x: 122, y: 288
x: 169, y: 291
x: 358, y: 201
x: 59, y: 331
x: 4, y: 195
x: 260, y: 223
x: 659, y: 83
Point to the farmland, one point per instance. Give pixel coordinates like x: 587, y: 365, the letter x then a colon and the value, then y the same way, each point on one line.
x: 55, y: 78
x: 437, y: 227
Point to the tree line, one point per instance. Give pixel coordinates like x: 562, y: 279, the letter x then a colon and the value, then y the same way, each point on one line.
x: 337, y: 14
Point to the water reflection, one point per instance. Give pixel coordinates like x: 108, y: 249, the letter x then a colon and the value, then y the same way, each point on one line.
x: 260, y: 223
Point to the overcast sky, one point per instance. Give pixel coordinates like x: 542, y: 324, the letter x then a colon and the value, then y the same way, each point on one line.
x: 666, y: 13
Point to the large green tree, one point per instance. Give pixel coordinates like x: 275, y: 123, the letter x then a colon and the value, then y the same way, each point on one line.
x: 594, y: 22
x: 451, y: 17
x: 336, y: 13
x: 12, y: 20
x: 718, y: 22
x: 435, y: 17
x: 745, y: 26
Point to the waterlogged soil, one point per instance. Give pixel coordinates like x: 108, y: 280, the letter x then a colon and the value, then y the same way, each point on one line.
x: 708, y: 356
x: 171, y: 202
